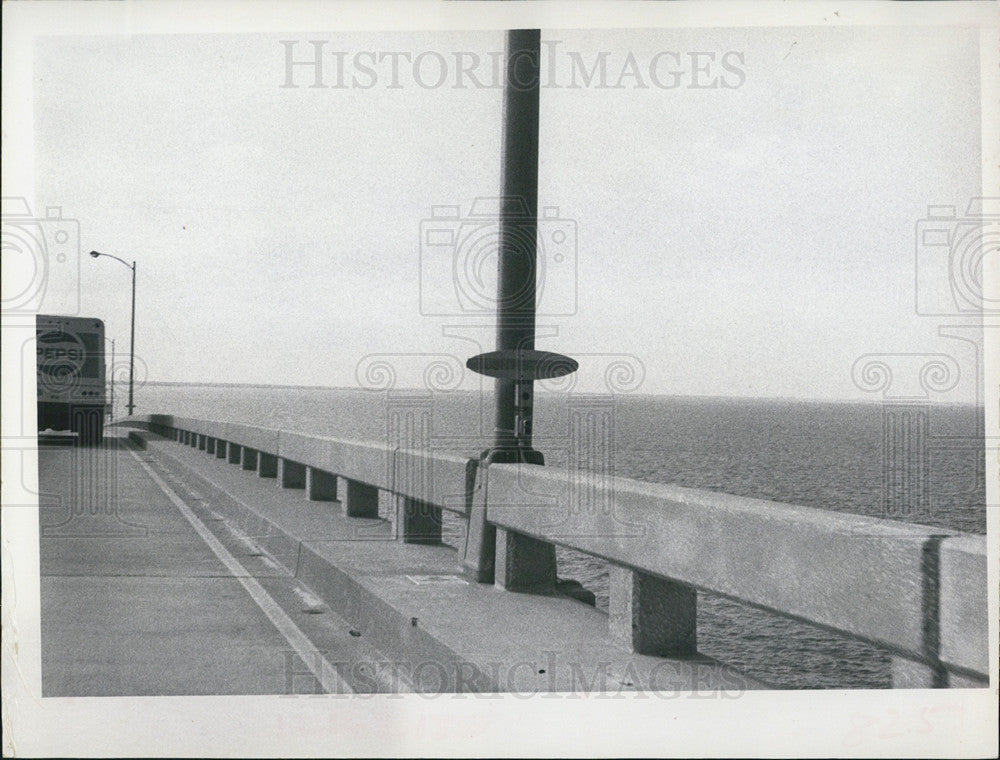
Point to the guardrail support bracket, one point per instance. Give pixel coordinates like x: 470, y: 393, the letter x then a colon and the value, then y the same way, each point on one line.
x: 360, y: 499
x: 651, y: 615
x: 320, y: 485
x: 420, y: 522
x: 524, y: 563
x: 249, y: 459
x: 267, y: 465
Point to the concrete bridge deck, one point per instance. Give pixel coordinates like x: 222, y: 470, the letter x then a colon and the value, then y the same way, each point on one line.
x: 168, y: 572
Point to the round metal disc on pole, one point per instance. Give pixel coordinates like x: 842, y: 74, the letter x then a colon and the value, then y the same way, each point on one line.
x: 522, y: 365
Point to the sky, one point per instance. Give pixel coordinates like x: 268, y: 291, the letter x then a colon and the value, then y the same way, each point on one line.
x: 752, y: 238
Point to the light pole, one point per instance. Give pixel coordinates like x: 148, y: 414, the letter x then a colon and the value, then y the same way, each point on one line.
x: 131, y: 360
x: 112, y: 415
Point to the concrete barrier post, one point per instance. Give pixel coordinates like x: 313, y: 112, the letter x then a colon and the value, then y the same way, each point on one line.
x: 293, y: 474
x: 651, y: 615
x: 964, y: 647
x: 235, y: 453
x: 524, y: 563
x: 267, y: 465
x: 210, y: 445
x: 320, y: 485
x: 249, y: 458
x: 911, y: 674
x: 360, y: 499
x: 419, y: 521
x: 221, y: 448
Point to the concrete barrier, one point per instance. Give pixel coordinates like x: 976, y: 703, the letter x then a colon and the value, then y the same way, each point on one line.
x: 444, y: 480
x: 964, y: 608
x: 250, y: 436
x: 853, y: 574
x: 362, y: 461
x: 917, y: 591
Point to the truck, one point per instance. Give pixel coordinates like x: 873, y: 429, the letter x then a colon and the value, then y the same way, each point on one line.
x: 71, y: 374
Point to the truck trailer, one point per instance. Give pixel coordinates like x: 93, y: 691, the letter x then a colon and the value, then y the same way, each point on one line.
x: 72, y: 378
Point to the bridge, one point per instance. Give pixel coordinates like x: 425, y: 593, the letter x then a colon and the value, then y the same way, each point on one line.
x: 493, y: 615
x: 365, y: 603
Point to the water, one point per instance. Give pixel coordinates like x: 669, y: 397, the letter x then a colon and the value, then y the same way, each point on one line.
x: 826, y: 455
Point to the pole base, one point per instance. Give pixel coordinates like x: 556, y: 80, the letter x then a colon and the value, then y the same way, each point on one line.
x: 512, y: 455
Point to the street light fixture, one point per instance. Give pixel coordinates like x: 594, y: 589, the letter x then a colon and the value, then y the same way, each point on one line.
x: 131, y: 361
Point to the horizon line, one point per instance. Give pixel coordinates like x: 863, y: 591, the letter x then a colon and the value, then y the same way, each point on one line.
x: 809, y: 399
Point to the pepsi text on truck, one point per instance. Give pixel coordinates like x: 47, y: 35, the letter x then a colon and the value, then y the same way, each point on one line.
x: 71, y: 376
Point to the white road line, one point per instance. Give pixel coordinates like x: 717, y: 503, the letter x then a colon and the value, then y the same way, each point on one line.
x: 394, y: 682
x: 324, y: 672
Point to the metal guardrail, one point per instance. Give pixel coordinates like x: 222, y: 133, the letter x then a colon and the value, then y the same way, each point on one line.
x: 917, y: 591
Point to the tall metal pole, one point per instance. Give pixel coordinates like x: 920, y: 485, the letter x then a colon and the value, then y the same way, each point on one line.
x: 518, y: 234
x: 529, y: 564
x: 112, y: 379
x: 131, y: 361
